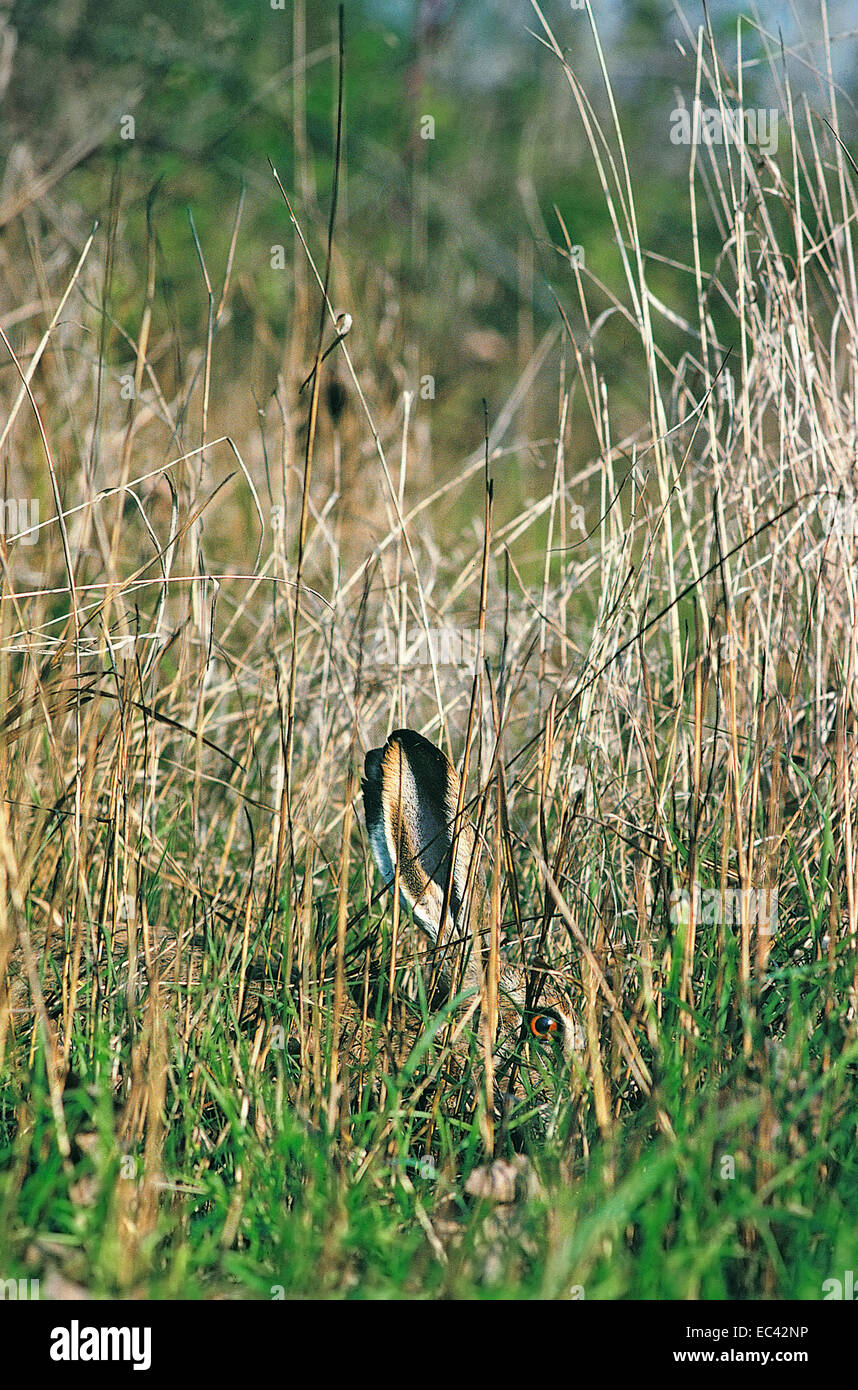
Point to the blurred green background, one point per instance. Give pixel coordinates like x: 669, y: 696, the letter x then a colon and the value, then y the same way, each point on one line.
x: 448, y: 246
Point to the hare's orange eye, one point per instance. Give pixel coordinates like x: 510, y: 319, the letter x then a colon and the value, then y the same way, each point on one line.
x: 543, y: 1025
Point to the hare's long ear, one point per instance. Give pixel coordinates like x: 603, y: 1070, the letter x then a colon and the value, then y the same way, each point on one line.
x: 410, y: 794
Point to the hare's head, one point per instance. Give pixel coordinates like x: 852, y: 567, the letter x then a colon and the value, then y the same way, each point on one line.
x: 411, y: 795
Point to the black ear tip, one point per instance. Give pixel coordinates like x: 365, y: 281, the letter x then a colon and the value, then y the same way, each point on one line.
x: 417, y: 748
x: 409, y: 738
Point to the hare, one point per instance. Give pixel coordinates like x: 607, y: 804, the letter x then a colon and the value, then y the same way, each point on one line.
x: 411, y: 795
